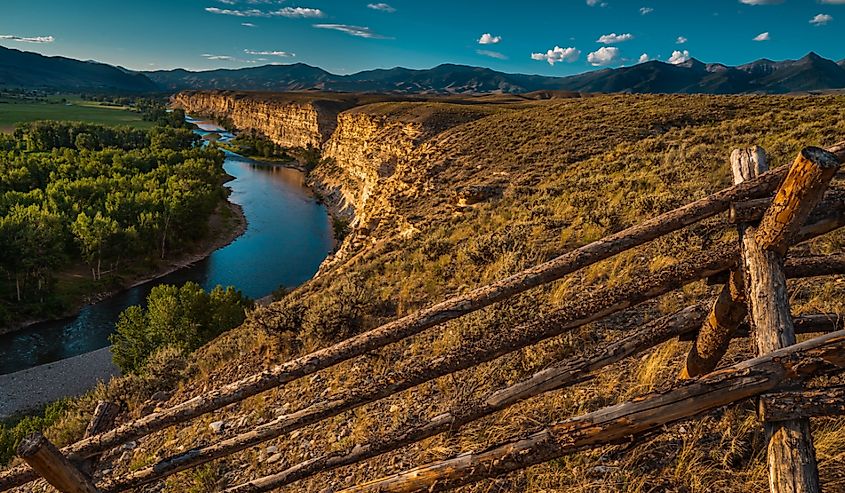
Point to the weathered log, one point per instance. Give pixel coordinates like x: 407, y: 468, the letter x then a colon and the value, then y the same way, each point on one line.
x: 804, y: 324
x: 729, y: 310
x: 715, y: 335
x: 563, y: 374
x: 787, y: 406
x: 623, y: 421
x: 798, y: 195
x: 424, y: 319
x: 102, y: 420
x: 791, y: 456
x: 46, y: 460
x: 814, y: 266
x: 753, y: 210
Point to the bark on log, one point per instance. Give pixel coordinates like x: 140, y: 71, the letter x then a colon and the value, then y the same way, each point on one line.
x: 804, y: 324
x: 103, y: 420
x: 799, y: 194
x: 791, y: 455
x: 715, y: 335
x: 729, y: 310
x: 753, y: 210
x: 786, y: 406
x: 563, y: 374
x: 623, y: 421
x: 54, y: 467
x: 422, y: 320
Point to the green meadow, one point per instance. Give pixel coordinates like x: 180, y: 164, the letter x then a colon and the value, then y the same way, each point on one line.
x: 66, y: 107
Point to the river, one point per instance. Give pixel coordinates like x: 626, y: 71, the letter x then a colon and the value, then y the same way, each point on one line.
x: 288, y: 235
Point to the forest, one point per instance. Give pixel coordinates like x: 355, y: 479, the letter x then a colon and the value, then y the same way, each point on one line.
x: 74, y: 193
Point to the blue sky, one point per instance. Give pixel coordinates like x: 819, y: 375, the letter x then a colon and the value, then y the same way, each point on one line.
x: 343, y: 36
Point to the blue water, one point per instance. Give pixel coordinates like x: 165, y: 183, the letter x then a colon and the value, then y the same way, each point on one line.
x: 288, y: 235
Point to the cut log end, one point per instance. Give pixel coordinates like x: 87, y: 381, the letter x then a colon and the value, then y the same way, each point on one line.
x: 31, y: 445
x: 798, y: 195
x: 821, y: 157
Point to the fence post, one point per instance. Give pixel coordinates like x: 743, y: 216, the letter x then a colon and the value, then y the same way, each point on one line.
x: 102, y: 421
x: 791, y: 456
x: 48, y: 461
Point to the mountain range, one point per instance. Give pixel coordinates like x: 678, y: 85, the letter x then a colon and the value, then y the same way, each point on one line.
x: 810, y: 73
x: 32, y: 70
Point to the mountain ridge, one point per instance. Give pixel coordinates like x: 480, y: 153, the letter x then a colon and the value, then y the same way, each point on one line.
x: 809, y: 73
x: 33, y: 70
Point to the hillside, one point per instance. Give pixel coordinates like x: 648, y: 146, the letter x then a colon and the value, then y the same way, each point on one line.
x: 445, y: 197
x: 24, y: 69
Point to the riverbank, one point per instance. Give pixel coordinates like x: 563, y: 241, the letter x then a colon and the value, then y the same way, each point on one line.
x: 29, y: 389
x: 224, y: 226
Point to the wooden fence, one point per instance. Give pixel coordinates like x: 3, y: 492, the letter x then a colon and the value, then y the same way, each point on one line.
x: 772, y: 209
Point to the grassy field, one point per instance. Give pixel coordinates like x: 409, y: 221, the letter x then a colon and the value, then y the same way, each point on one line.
x: 65, y: 107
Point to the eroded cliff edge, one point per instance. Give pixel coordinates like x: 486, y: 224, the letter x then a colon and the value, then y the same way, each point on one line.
x: 373, y: 149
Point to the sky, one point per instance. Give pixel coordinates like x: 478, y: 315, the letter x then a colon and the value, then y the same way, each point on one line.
x: 561, y: 37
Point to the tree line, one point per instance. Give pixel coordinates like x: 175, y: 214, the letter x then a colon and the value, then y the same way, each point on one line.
x: 72, y: 192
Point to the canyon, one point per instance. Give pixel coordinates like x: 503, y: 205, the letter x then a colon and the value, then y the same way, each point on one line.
x: 372, y: 147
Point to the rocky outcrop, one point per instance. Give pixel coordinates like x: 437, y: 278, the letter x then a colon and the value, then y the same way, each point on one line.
x: 288, y: 120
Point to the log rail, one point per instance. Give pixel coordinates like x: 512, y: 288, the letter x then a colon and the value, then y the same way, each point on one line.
x: 800, y: 210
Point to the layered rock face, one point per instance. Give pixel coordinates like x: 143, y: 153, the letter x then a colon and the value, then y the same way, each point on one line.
x: 289, y: 122
x: 361, y: 161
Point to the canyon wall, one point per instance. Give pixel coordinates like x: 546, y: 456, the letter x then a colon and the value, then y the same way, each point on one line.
x: 287, y: 120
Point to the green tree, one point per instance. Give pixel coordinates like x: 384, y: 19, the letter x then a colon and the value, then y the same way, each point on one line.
x: 184, y: 318
x: 96, y: 237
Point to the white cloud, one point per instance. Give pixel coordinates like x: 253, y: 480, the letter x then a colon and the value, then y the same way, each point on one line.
x: 359, y: 31
x: 679, y: 57
x: 821, y: 19
x: 24, y: 39
x: 247, y: 24
x: 603, y: 56
x: 646, y: 10
x: 593, y: 3
x: 613, y: 38
x: 763, y: 37
x: 298, y: 12
x: 761, y: 2
x: 381, y: 6
x: 237, y: 13
x: 270, y: 53
x: 492, y: 54
x: 834, y: 2
x: 681, y: 40
x: 644, y: 58
x: 558, y: 54
x: 489, y: 39
x: 220, y: 57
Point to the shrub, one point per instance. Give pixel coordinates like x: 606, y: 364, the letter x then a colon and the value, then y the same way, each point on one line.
x: 183, y: 318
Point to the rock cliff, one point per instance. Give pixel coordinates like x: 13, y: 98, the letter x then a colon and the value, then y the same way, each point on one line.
x: 288, y: 120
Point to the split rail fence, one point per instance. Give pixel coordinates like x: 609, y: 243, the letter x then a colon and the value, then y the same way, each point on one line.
x: 771, y: 209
